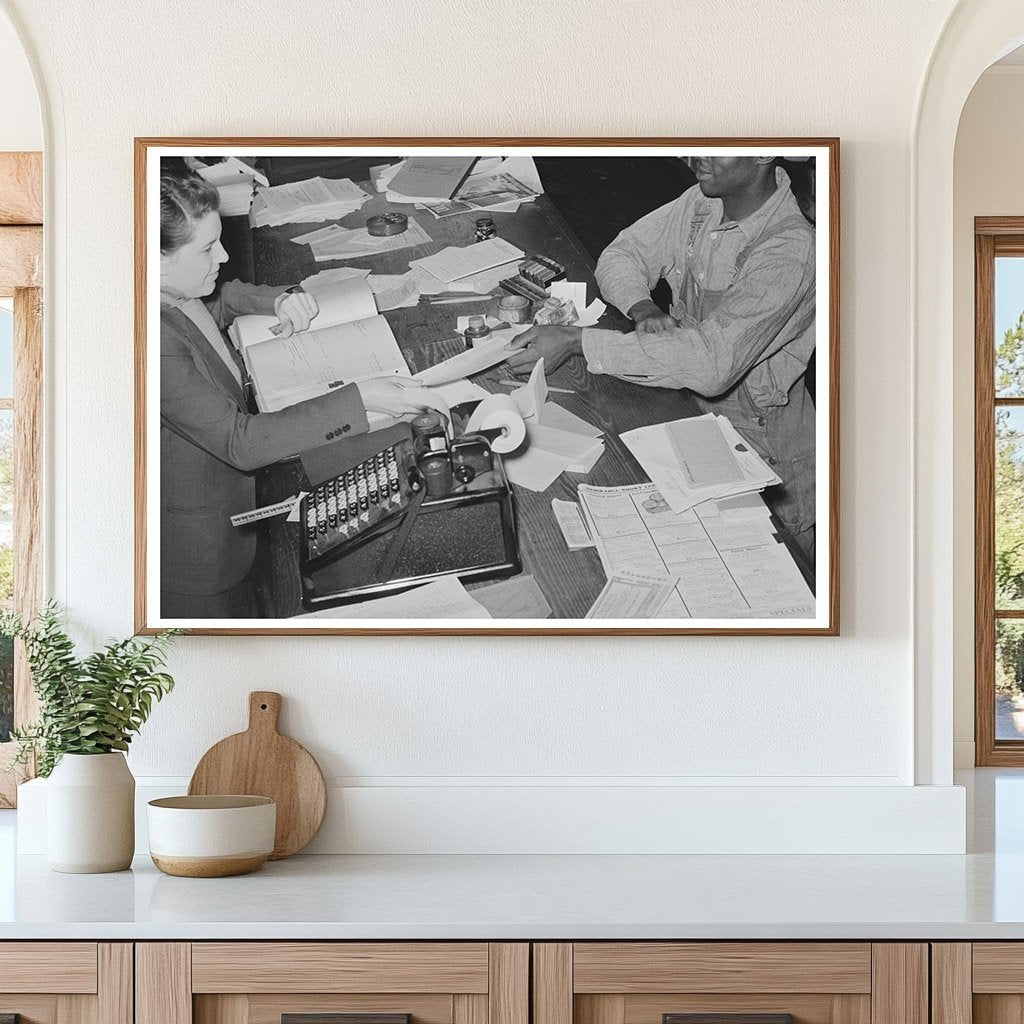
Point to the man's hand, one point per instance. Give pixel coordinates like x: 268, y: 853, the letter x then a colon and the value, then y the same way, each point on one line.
x: 555, y: 344
x: 649, y: 318
x: 295, y: 310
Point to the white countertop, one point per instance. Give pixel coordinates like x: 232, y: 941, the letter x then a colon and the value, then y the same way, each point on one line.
x: 977, y: 896
x: 517, y: 897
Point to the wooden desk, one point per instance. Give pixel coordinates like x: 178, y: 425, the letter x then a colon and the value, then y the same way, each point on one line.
x: 571, y: 580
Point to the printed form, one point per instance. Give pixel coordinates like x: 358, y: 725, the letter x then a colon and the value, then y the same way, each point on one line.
x: 728, y: 567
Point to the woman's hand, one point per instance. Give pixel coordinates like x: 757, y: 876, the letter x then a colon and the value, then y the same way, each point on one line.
x: 649, y: 318
x: 398, y: 396
x: 295, y: 310
x: 553, y: 343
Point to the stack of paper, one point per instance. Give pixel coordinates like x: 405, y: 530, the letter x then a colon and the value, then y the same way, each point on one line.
x: 427, y: 179
x: 454, y: 263
x: 236, y: 182
x: 302, y: 202
x: 697, y: 459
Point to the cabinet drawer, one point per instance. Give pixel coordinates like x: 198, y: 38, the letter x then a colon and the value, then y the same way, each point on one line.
x: 66, y: 982
x: 58, y: 967
x: 262, y: 982
x: 730, y: 983
x: 634, y: 967
x: 340, y: 967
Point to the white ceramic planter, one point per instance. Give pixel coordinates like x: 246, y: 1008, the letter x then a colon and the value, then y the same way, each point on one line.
x: 90, y: 814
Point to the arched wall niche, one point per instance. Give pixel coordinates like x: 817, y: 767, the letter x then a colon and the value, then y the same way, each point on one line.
x: 976, y: 34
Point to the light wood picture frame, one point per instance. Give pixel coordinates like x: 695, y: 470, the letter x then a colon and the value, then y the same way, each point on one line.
x: 753, y: 347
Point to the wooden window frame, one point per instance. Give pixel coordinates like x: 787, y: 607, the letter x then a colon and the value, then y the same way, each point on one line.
x: 21, y: 278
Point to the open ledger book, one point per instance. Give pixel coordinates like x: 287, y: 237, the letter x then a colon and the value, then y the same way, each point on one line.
x: 347, y: 341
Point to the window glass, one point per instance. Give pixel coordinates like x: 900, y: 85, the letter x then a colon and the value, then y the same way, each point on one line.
x: 1009, y: 679
x: 1009, y: 327
x: 1009, y: 511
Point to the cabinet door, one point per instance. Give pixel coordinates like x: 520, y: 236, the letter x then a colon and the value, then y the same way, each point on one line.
x: 980, y: 982
x: 332, y: 983
x: 730, y: 983
x: 66, y: 983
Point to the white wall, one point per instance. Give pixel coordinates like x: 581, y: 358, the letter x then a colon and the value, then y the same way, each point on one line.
x: 988, y: 181
x: 21, y: 127
x: 435, y: 712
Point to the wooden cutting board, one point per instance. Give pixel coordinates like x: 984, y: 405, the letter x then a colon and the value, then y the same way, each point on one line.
x: 262, y: 762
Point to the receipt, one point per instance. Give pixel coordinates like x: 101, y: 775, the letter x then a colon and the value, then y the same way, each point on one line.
x: 570, y: 522
x: 629, y: 595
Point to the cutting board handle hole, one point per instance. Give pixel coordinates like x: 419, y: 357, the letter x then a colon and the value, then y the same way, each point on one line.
x: 263, y: 707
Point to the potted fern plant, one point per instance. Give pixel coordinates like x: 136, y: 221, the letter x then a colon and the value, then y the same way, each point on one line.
x: 89, y: 709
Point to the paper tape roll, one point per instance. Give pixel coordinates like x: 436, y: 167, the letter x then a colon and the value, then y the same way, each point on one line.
x: 387, y: 224
x: 499, y: 412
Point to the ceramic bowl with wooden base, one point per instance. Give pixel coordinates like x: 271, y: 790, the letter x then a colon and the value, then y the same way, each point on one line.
x: 211, y: 836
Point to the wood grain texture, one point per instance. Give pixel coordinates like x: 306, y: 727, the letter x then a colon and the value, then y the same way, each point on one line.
x: 543, y: 551
x: 508, y: 990
x: 163, y: 983
x: 76, y: 1009
x: 721, y: 967
x: 21, y: 188
x: 115, y: 997
x: 599, y: 1009
x: 998, y: 1009
x: 951, y: 983
x: 305, y: 967
x: 899, y: 989
x: 984, y: 502
x: 226, y: 1009
x: 21, y: 258
x: 467, y: 1009
x: 28, y: 483
x: 268, y: 1008
x: 552, y: 983
x: 262, y: 762
x: 65, y: 967
x: 998, y: 967
x: 805, y: 1008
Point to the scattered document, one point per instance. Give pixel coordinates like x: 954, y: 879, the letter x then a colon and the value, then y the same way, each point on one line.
x: 482, y: 356
x: 302, y: 202
x: 324, y: 277
x: 517, y: 598
x: 340, y: 243
x: 444, y: 598
x: 570, y: 522
x: 591, y: 314
x: 380, y: 176
x: 579, y: 451
x: 453, y: 262
x: 629, y: 595
x: 460, y: 391
x: 725, y: 569
x: 697, y: 459
x: 428, y: 179
x: 553, y: 415
x: 534, y: 468
x: 530, y: 398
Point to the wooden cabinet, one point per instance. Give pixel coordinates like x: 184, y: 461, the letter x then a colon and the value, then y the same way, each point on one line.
x: 66, y: 982
x: 648, y: 982
x: 258, y: 982
x: 978, y: 983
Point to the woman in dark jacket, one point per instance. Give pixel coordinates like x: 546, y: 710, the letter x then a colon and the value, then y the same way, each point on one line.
x: 210, y: 445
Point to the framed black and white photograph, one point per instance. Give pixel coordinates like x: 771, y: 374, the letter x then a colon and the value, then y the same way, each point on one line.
x: 472, y: 386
